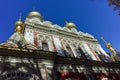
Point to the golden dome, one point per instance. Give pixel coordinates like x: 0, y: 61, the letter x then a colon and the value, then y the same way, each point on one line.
x: 20, y: 23
x: 19, y: 26
x: 70, y: 25
x: 34, y: 14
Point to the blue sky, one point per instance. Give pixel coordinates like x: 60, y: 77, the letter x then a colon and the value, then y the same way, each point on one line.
x: 91, y: 16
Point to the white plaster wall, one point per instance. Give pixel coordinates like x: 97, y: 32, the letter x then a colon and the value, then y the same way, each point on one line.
x: 101, y: 49
x: 73, y: 50
x: 50, y: 46
x: 58, y: 45
x: 89, y: 51
x: 29, y: 36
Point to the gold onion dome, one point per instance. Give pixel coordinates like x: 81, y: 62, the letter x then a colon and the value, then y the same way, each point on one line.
x: 19, y: 26
x: 34, y: 14
x: 19, y: 23
x: 70, y: 25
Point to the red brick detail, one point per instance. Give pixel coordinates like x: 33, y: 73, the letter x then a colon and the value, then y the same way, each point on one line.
x: 74, y: 75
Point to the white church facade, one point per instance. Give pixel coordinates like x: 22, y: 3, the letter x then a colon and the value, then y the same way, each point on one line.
x: 42, y: 50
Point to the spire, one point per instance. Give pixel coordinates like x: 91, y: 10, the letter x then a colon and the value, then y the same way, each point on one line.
x: 19, y: 24
x: 104, y: 40
x: 109, y: 46
x: 20, y: 16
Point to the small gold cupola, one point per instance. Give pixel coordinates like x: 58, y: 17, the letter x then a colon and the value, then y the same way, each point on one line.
x: 19, y: 25
x: 70, y: 25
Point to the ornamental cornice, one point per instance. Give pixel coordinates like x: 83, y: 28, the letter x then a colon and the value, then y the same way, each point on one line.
x: 49, y: 24
x: 61, y: 32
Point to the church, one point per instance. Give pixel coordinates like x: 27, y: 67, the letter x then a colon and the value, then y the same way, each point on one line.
x: 41, y: 50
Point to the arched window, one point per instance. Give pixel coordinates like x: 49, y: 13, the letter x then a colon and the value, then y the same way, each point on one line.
x: 35, y: 41
x: 45, y: 46
x: 81, y: 54
x: 70, y: 52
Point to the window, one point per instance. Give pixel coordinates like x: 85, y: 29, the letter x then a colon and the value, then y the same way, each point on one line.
x: 35, y: 41
x: 70, y: 53
x: 45, y: 46
x: 81, y: 54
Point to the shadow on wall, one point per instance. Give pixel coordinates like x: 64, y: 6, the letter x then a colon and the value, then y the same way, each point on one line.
x: 11, y: 70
